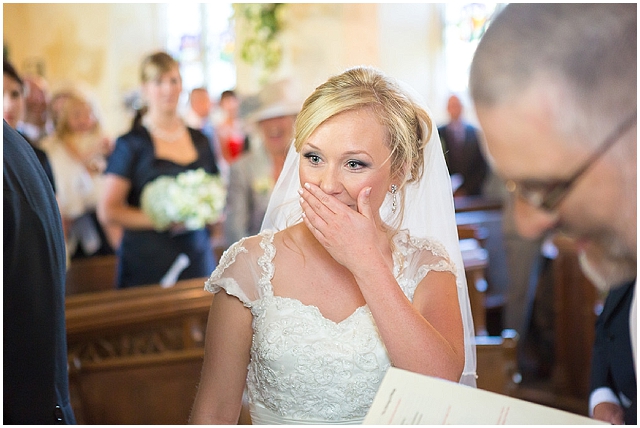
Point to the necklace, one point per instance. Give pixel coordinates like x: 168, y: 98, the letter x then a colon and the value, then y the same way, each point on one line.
x: 168, y: 136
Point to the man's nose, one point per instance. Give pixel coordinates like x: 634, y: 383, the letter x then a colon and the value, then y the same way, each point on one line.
x: 532, y: 222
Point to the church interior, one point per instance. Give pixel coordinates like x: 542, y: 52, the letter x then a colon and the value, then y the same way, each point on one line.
x: 135, y: 354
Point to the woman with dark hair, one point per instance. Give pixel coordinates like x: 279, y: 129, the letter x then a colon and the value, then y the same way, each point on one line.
x: 13, y: 105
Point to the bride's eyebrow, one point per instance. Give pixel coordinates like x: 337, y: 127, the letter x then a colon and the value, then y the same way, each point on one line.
x: 347, y: 153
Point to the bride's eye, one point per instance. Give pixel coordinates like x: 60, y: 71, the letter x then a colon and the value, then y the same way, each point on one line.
x: 355, y: 164
x: 313, y: 158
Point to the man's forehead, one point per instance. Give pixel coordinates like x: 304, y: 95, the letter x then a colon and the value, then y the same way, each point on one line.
x: 520, y: 140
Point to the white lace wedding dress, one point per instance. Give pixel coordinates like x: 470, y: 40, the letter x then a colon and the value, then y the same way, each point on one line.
x: 305, y: 368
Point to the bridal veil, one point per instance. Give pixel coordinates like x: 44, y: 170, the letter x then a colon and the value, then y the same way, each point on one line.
x: 429, y: 213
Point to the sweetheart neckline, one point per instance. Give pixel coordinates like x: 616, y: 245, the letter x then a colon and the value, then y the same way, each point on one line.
x: 317, y: 310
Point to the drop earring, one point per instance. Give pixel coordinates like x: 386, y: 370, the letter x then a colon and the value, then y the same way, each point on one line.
x: 394, y: 200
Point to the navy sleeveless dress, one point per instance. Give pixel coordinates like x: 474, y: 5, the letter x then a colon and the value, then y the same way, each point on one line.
x: 145, y: 256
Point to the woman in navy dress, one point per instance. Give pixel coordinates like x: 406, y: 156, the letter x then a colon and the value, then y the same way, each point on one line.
x: 160, y: 145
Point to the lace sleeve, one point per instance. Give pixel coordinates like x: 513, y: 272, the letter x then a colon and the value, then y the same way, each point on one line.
x: 238, y: 272
x: 433, y: 256
x: 420, y: 256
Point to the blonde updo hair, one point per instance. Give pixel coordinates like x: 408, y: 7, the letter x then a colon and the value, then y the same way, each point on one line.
x: 408, y: 125
x: 68, y: 107
x: 155, y: 65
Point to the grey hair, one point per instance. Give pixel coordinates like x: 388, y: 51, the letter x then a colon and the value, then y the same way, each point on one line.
x: 586, y: 53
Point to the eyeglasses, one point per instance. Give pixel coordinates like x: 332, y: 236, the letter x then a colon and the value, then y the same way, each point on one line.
x: 547, y: 196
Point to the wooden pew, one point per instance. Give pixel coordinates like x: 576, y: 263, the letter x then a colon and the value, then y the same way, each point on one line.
x: 577, y: 304
x: 92, y: 274
x: 475, y: 259
x: 497, y: 364
x: 135, y: 355
x: 486, y: 216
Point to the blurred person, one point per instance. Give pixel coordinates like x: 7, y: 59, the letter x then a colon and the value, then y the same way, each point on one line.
x: 461, y: 145
x: 77, y: 151
x: 199, y: 116
x: 33, y: 126
x: 13, y: 111
x: 555, y: 90
x: 55, y: 105
x: 35, y: 376
x: 12, y: 95
x: 253, y: 176
x: 231, y: 132
x: 161, y: 146
x: 138, y: 114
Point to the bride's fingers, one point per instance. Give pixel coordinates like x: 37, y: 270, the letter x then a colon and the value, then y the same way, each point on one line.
x: 314, y: 230
x: 311, y: 215
x: 319, y: 200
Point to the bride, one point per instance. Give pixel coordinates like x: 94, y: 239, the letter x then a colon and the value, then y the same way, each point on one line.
x: 357, y: 268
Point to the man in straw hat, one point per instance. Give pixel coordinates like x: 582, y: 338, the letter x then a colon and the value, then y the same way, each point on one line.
x: 253, y: 176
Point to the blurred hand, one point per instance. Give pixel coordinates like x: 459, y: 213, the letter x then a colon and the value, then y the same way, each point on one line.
x: 609, y: 412
x: 177, y: 229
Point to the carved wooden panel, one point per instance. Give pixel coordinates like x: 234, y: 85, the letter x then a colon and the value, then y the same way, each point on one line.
x: 135, y: 355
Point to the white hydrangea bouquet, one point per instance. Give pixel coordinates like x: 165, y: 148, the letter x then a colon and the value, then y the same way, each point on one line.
x: 193, y: 198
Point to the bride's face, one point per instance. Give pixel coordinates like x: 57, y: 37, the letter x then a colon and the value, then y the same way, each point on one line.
x: 346, y: 154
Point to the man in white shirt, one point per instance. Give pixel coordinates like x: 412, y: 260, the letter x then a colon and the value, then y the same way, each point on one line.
x: 198, y: 116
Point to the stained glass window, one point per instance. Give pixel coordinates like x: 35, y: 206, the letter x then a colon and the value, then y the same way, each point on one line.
x: 202, y: 38
x: 465, y: 23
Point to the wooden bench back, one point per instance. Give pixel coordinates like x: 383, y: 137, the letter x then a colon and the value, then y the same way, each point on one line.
x: 140, y: 389
x: 497, y: 364
x: 92, y: 274
x: 135, y: 355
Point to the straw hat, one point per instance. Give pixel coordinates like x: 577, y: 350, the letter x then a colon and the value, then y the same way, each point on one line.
x: 277, y: 99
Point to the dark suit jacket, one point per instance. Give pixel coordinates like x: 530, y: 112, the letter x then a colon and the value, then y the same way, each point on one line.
x: 44, y: 161
x: 612, y: 363
x: 469, y: 161
x: 35, y: 383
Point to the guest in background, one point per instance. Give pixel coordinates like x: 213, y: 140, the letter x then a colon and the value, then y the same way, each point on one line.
x: 198, y: 117
x: 555, y: 90
x: 35, y: 377
x: 253, y: 176
x: 12, y: 95
x: 34, y: 125
x: 461, y: 145
x: 161, y: 146
x: 77, y: 151
x: 138, y: 114
x: 231, y: 133
x: 13, y: 106
x: 54, y: 107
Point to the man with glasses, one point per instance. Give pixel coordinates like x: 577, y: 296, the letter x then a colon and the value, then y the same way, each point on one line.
x: 555, y: 91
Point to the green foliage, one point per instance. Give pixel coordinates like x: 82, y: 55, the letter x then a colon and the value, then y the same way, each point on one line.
x: 261, y: 46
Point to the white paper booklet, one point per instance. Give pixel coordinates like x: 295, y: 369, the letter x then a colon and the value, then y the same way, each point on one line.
x: 406, y: 398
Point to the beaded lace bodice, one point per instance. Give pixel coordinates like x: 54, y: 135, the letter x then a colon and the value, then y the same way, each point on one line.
x: 304, y: 367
